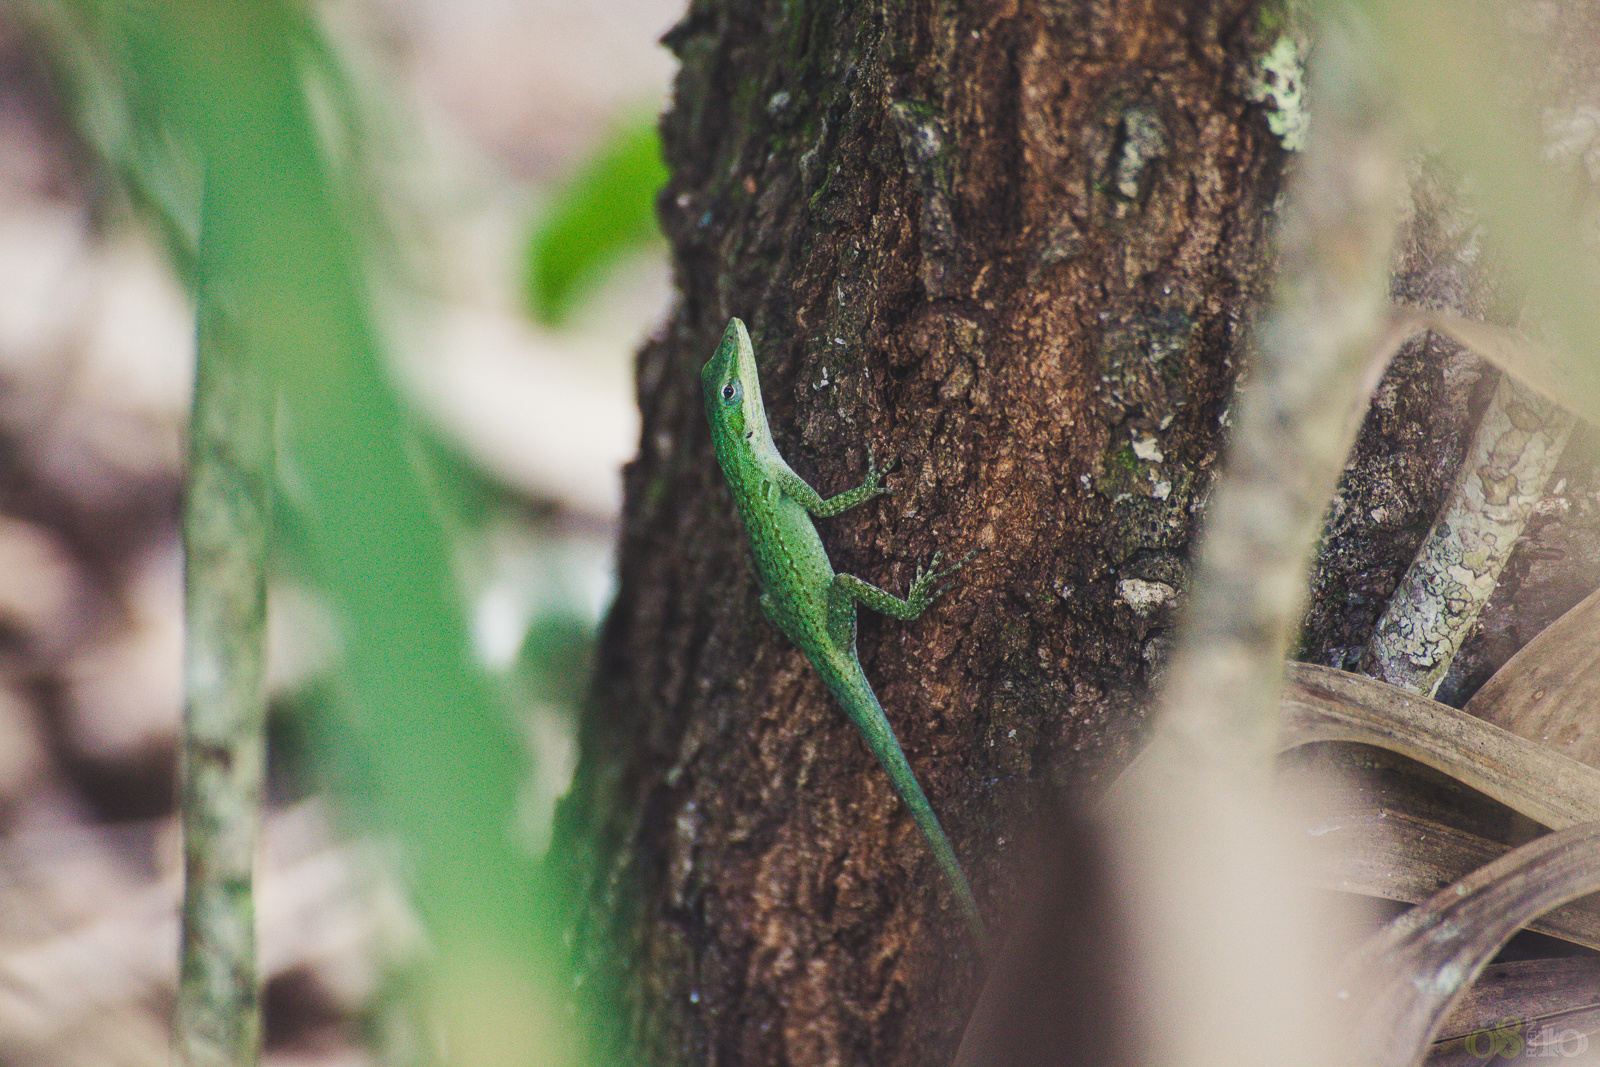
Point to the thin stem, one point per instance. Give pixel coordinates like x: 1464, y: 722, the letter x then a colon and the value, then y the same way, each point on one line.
x: 225, y: 523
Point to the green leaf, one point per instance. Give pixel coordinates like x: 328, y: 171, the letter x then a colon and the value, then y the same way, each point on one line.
x: 607, y: 209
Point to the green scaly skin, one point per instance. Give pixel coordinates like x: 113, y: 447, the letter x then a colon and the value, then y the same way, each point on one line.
x: 802, y: 595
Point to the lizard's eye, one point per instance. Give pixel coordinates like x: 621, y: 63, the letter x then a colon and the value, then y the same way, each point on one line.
x: 729, y: 391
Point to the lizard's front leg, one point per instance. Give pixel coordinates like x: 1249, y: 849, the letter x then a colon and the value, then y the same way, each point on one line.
x: 797, y: 489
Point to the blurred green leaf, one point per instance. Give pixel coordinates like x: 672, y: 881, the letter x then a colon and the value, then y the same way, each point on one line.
x: 606, y: 210
x: 556, y: 657
x: 287, y: 258
x: 225, y: 84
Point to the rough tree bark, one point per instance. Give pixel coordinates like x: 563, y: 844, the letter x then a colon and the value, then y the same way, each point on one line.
x: 1015, y: 245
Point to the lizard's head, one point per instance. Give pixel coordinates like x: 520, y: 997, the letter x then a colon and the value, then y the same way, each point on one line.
x: 731, y: 385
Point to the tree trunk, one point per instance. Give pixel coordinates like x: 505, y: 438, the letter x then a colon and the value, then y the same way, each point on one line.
x: 1015, y: 246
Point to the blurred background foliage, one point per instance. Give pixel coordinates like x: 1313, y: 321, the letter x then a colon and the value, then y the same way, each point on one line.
x: 605, y: 210
x: 447, y: 474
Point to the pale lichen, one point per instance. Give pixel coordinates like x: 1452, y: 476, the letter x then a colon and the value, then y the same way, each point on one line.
x: 1518, y: 442
x: 1278, y: 84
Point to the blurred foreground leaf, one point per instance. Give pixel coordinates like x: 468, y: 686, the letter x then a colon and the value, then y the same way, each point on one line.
x: 607, y: 209
x: 227, y: 82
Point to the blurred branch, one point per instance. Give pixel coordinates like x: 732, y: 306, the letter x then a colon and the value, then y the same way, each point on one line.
x: 1543, y: 368
x: 282, y: 241
x: 1197, y: 828
x: 1521, y: 436
x: 441, y: 758
x: 226, y: 521
x: 1321, y: 349
x: 1444, y: 52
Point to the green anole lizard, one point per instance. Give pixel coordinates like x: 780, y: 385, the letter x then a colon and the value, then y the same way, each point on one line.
x: 801, y: 594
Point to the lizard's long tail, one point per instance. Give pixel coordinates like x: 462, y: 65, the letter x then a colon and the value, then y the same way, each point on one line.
x: 861, y: 704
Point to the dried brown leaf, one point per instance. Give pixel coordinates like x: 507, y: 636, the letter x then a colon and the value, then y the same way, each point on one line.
x: 1548, y: 691
x: 1404, y: 982
x: 1544, y: 368
x: 1529, y: 990
x: 1560, y: 1037
x: 1323, y: 704
x: 1396, y: 855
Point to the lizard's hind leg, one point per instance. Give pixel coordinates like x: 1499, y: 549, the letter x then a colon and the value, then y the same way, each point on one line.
x: 846, y: 590
x: 842, y: 608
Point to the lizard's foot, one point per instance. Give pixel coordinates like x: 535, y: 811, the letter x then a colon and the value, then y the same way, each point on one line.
x: 923, y: 592
x: 875, y: 473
